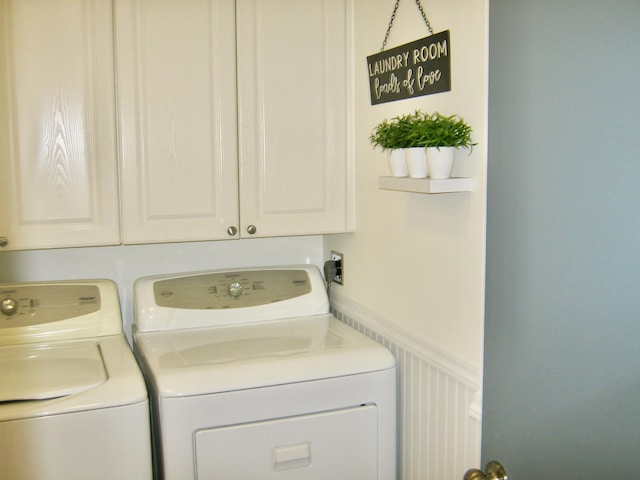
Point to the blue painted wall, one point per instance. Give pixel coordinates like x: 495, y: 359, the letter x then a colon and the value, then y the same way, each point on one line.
x: 562, y: 336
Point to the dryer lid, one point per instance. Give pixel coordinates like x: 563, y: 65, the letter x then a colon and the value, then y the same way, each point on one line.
x: 46, y: 371
x: 220, y: 359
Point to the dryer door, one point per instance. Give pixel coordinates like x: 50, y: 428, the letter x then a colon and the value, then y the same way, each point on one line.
x: 336, y: 445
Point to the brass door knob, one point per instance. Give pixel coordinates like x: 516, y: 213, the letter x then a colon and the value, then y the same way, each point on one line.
x: 494, y: 471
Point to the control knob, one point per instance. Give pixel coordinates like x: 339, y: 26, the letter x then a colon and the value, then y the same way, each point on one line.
x: 235, y: 289
x: 8, y: 306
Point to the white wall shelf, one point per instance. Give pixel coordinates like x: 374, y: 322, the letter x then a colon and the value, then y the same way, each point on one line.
x: 425, y: 185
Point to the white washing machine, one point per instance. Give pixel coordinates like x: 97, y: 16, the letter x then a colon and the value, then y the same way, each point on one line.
x: 251, y: 378
x: 73, y: 403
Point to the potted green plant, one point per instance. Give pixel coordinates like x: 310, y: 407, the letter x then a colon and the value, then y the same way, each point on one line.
x: 403, y: 138
x: 425, y: 143
x: 444, y: 134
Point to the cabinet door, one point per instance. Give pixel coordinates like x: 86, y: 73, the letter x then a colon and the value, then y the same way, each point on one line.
x: 58, y: 178
x: 295, y: 98
x: 177, y: 119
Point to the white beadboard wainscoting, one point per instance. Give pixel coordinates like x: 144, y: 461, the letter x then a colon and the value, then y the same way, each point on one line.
x: 439, y: 400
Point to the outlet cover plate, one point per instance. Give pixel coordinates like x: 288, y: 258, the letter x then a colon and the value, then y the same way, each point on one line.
x: 339, y: 259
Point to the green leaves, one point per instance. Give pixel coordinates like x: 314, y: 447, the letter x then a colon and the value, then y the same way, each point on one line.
x: 399, y: 132
x: 442, y: 131
x: 419, y: 129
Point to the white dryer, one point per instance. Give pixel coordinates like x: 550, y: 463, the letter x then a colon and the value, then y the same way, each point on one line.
x: 251, y: 378
x: 73, y: 403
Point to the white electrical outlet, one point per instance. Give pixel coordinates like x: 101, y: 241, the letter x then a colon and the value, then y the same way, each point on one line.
x: 339, y: 259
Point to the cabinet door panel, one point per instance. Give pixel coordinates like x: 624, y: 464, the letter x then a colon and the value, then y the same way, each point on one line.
x: 58, y: 178
x: 177, y: 118
x: 295, y: 95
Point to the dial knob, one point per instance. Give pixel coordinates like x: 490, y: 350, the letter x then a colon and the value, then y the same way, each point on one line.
x: 235, y: 289
x: 8, y: 306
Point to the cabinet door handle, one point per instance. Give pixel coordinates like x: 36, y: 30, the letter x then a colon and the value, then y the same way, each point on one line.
x: 4, y: 241
x: 232, y: 230
x: 251, y: 229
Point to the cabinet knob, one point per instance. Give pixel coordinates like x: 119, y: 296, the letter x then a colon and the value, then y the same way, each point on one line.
x: 4, y: 241
x: 251, y: 229
x: 232, y: 230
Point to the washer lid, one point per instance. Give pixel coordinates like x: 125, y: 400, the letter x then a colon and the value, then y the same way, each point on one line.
x: 40, y: 372
x: 227, y: 358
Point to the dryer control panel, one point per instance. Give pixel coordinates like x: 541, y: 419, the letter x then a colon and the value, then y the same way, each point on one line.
x: 225, y: 297
x: 238, y: 289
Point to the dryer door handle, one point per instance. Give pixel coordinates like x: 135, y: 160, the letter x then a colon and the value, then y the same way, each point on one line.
x: 292, y: 456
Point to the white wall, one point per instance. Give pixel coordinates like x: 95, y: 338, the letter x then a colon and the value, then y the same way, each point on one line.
x: 418, y: 260
x: 124, y: 264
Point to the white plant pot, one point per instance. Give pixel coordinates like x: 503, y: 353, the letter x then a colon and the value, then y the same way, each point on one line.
x: 397, y: 164
x: 440, y: 161
x: 416, y: 159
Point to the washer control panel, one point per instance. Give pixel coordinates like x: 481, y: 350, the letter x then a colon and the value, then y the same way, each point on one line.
x: 239, y: 289
x: 26, y: 305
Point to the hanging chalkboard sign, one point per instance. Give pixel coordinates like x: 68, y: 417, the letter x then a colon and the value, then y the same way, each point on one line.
x: 415, y: 69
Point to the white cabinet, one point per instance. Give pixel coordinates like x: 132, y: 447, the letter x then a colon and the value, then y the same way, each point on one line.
x: 177, y: 119
x: 295, y: 96
x: 234, y: 118
x: 58, y: 174
x: 226, y: 118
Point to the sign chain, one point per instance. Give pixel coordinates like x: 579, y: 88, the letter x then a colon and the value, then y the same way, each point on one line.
x: 393, y: 17
x: 424, y: 16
